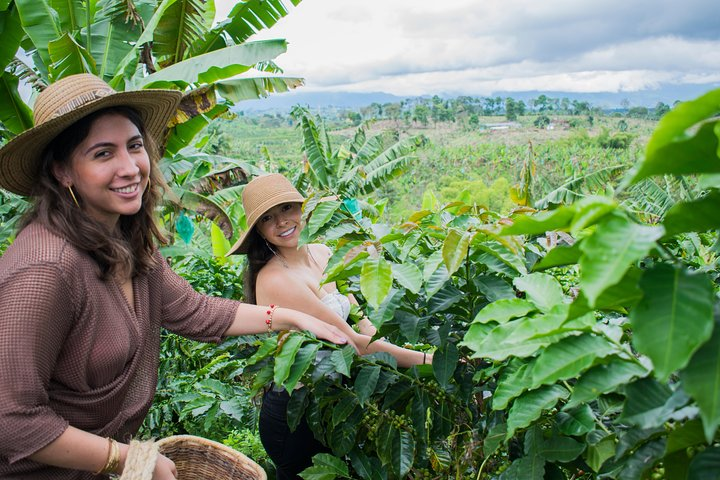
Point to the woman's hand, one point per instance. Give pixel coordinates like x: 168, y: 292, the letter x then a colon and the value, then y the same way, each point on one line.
x: 320, y: 329
x: 164, y: 469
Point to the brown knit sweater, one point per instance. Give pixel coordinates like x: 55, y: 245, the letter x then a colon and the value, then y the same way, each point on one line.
x: 73, y: 351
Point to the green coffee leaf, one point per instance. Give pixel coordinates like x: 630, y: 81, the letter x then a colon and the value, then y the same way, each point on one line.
x: 674, y: 318
x: 568, y: 358
x: 609, y: 252
x: 604, y: 379
x: 408, y: 275
x: 375, y: 280
x: 528, y: 407
x: 701, y: 380
x: 455, y: 249
x: 685, y: 140
x: 365, y: 382
x: 326, y: 467
x: 543, y: 290
x: 286, y: 357
x: 503, y: 310
x: 322, y: 215
x: 304, y: 358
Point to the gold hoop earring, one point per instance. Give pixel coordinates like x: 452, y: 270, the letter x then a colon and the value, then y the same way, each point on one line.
x: 72, y: 194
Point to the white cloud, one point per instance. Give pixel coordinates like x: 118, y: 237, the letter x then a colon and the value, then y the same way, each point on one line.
x: 412, y: 47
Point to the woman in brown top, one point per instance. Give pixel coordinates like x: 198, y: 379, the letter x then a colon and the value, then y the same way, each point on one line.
x: 83, y: 290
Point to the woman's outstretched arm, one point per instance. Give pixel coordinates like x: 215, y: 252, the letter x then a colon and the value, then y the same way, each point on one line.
x: 279, y: 288
x: 251, y: 319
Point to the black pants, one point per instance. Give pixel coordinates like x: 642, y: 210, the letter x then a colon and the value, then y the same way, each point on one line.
x: 291, y: 452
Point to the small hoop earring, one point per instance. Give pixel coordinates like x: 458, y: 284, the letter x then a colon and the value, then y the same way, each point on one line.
x: 72, y: 194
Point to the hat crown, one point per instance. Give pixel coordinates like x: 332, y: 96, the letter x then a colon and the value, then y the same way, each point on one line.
x: 265, y: 192
x: 68, y: 94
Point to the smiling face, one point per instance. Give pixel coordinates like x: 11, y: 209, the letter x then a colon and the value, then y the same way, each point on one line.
x: 109, y: 169
x: 281, y: 225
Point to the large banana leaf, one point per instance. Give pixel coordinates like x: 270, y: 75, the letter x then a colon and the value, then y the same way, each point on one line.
x: 246, y: 18
x: 316, y: 151
x: 253, y: 88
x: 69, y: 58
x: 217, y: 65
x: 14, y: 114
x: 578, y: 187
x: 112, y: 35
x: 183, y: 23
x: 42, y: 25
x: 73, y: 14
x: 207, y: 208
x: 11, y: 33
x: 128, y: 65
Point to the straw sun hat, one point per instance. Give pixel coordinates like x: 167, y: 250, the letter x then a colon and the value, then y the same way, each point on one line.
x: 259, y: 196
x: 65, y: 102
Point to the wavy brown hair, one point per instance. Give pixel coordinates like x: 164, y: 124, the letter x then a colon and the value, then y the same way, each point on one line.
x: 258, y: 255
x: 126, y: 254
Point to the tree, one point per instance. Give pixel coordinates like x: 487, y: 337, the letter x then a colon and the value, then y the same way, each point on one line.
x: 421, y: 114
x: 660, y: 110
x: 512, y: 109
x: 142, y: 44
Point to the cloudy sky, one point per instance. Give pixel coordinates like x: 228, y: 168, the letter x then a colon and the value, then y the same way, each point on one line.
x: 479, y: 47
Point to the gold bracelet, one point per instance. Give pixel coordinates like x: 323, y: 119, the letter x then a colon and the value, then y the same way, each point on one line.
x: 113, y: 459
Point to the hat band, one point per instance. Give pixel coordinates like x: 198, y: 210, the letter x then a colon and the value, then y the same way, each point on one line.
x: 81, y: 100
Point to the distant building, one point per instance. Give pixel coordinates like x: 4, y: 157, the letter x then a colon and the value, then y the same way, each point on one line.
x: 501, y: 125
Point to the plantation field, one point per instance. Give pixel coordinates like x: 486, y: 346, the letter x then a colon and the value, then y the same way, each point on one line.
x: 485, y: 160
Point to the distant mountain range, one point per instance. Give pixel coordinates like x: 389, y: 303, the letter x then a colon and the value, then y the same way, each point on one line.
x: 282, y: 103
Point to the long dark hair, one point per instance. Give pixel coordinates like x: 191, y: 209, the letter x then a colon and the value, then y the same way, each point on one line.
x: 126, y: 255
x: 258, y: 255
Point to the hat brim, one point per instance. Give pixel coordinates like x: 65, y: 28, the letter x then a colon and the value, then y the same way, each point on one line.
x: 242, y: 245
x: 20, y: 158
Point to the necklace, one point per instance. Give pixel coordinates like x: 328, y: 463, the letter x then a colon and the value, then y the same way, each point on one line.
x: 284, y: 263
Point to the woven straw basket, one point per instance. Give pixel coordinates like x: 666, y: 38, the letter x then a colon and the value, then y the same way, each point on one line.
x: 196, y: 458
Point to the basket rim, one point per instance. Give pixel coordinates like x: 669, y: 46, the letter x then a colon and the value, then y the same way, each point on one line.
x: 204, y: 442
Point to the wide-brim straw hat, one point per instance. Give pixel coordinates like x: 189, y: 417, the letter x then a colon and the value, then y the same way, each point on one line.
x: 259, y: 196
x: 65, y: 102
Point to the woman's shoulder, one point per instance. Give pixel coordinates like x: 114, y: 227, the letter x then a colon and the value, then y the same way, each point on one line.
x: 321, y: 249
x: 37, y: 243
x: 38, y: 248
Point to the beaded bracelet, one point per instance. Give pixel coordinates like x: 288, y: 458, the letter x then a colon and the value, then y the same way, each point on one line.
x: 270, y: 313
x: 113, y: 459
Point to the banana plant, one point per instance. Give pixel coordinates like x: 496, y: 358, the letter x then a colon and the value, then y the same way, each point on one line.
x: 359, y: 166
x: 134, y: 44
x: 145, y: 43
x: 208, y: 185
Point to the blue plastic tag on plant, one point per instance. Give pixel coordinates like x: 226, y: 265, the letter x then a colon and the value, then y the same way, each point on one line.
x: 353, y: 207
x: 184, y: 227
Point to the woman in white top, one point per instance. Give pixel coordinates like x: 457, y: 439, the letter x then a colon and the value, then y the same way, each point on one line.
x: 280, y: 273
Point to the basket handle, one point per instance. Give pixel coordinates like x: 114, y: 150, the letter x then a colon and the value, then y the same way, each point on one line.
x: 140, y: 461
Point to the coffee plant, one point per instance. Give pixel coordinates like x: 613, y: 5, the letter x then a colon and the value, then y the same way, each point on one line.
x: 578, y: 342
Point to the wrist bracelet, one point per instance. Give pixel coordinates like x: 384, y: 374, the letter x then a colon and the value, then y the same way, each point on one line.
x: 113, y: 459
x: 424, y: 357
x: 268, y: 321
